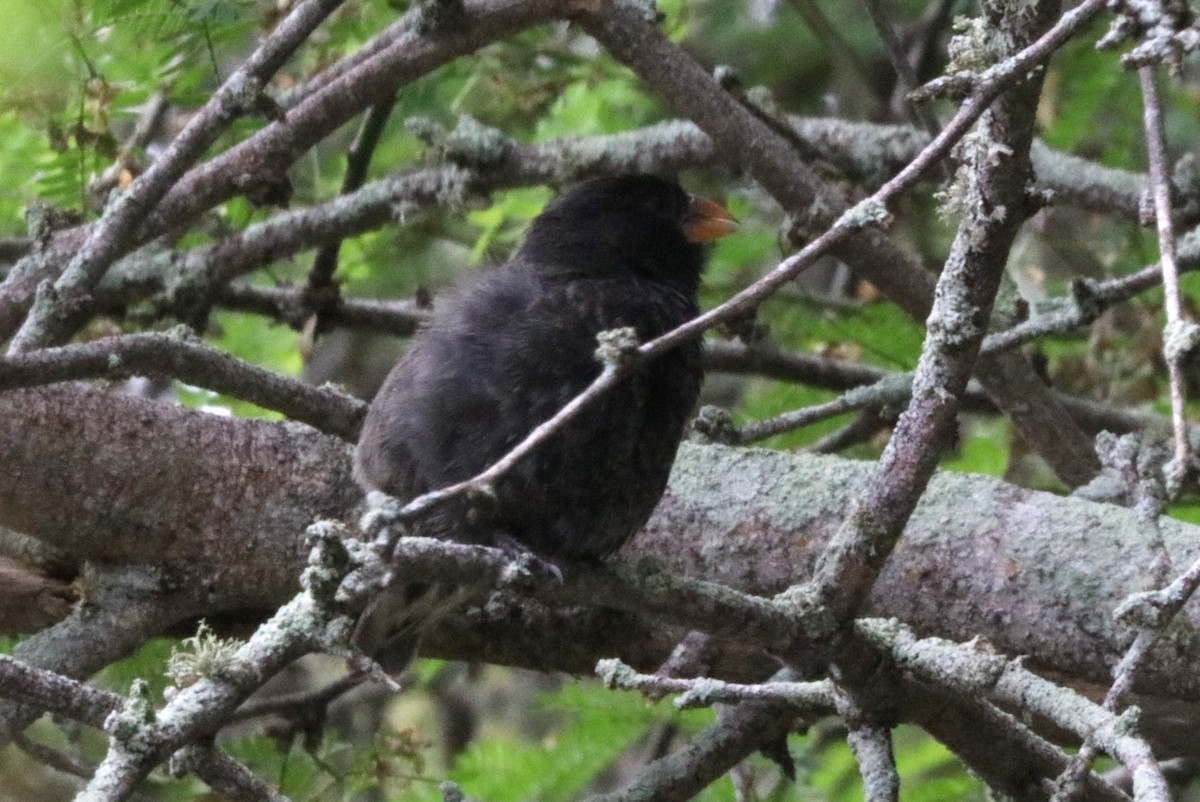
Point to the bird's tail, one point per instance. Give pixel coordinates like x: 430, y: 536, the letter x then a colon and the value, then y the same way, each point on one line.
x: 392, y: 625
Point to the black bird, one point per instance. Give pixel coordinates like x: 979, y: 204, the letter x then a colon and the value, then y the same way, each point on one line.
x: 519, y: 342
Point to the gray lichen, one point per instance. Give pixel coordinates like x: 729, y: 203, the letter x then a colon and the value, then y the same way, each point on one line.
x: 616, y: 346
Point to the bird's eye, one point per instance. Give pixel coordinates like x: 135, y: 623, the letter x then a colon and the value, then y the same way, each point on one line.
x: 670, y: 207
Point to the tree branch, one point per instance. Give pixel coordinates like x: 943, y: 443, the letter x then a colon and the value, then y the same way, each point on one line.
x: 52, y: 320
x: 172, y: 357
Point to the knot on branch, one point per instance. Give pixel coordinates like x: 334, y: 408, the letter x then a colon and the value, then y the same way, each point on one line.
x: 715, y: 425
x: 524, y: 570
x: 1089, y: 304
x: 1149, y: 609
x: 1038, y: 198
x: 727, y: 78
x: 328, y: 560
x: 702, y: 692
x: 615, y: 674
x: 247, y: 95
x: 951, y: 87
x: 1129, y: 721
x: 368, y: 574
x: 384, y: 522
x: 975, y: 152
x: 187, y: 291
x: 802, y: 603
x: 132, y: 721
x: 45, y: 299
x: 182, y: 333
x: 973, y: 48
x: 1131, y: 473
x: 617, y: 348
x: 1145, y: 210
x: 243, y: 90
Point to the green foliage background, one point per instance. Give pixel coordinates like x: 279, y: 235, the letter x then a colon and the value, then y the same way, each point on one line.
x: 75, y: 73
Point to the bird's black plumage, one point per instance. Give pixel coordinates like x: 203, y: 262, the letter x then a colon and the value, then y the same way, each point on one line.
x: 518, y: 343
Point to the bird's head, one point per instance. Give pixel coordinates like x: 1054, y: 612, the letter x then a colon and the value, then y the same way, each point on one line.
x: 632, y: 224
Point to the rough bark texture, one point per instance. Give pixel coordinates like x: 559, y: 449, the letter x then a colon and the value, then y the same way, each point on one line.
x: 221, y: 505
x: 221, y: 502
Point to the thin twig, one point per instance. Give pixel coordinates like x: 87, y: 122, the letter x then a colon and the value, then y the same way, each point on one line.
x: 399, y: 318
x: 863, y: 427
x: 320, y: 290
x: 1153, y: 611
x: 48, y: 691
x: 681, y: 775
x: 893, y: 389
x: 988, y: 86
x: 810, y: 697
x: 196, y: 711
x: 966, y: 289
x: 969, y: 669
x: 150, y: 354
x: 289, y: 704
x: 906, y: 76
x: 224, y: 775
x: 55, y: 759
x: 1174, y: 337
x: 871, y: 743
x: 822, y: 28
x: 52, y: 319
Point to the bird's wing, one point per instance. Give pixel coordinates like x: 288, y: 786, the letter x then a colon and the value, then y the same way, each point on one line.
x: 384, y: 459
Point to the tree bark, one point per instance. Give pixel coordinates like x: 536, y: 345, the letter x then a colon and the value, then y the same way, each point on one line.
x: 219, y: 505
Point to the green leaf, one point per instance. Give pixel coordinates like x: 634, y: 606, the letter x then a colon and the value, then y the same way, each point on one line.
x: 598, y: 725
x: 983, y: 448
x: 502, y: 223
x: 1099, y: 107
x: 149, y: 663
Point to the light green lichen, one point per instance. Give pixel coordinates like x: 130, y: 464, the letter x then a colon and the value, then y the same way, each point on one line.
x: 205, y: 654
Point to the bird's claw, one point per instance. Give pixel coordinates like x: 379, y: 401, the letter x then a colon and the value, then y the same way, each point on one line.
x: 524, y: 565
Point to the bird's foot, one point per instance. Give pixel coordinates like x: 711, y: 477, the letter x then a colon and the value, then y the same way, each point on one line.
x: 525, y: 565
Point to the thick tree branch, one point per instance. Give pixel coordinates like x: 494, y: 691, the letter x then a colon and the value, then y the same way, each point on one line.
x: 754, y: 520
x: 1000, y: 571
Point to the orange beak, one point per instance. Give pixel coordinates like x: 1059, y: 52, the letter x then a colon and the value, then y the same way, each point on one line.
x: 707, y: 221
